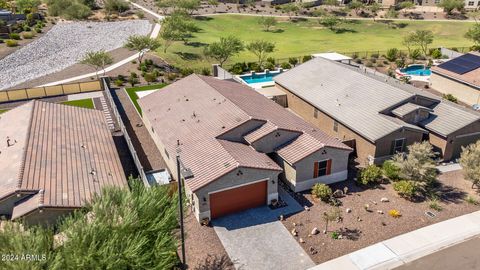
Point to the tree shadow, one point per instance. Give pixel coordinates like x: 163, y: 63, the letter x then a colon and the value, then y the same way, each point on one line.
x: 350, y: 234
x: 203, y: 18
x: 276, y: 31
x: 344, y: 30
x: 196, y: 44
x: 215, y: 262
x: 298, y: 19
x: 188, y: 56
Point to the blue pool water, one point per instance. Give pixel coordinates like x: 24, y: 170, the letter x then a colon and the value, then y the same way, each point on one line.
x: 417, y: 70
x: 259, y: 78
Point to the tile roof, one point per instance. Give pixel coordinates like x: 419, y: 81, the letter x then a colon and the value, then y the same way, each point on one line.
x: 196, y: 110
x: 447, y: 118
x: 472, y: 77
x: 247, y: 156
x: 358, y: 98
x: 260, y: 132
x: 407, y: 108
x: 65, y: 152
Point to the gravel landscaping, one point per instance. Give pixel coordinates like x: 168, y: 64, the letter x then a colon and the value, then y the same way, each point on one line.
x: 362, y: 228
x: 64, y: 45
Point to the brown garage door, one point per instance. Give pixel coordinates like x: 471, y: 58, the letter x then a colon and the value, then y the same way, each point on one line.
x: 237, y: 199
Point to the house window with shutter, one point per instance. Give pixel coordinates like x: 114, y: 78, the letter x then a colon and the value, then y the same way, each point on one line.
x: 322, y: 168
x: 398, y: 146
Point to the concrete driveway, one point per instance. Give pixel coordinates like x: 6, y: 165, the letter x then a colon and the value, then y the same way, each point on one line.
x: 256, y: 239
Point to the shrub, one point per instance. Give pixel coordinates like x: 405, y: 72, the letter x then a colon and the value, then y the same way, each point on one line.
x: 436, y: 54
x: 269, y: 66
x: 322, y: 192
x: 118, y: 82
x: 306, y: 58
x: 471, y: 200
x: 394, y: 213
x: 450, y: 97
x: 375, y: 55
x: 406, y: 188
x: 285, y: 65
x: 369, y: 64
x: 369, y: 175
x: 435, y: 205
x: 392, y: 54
x: 11, y: 43
x: 271, y: 60
x: 293, y: 61
x: 37, y: 30
x: 116, y: 6
x: 205, y: 71
x: 253, y: 66
x: 390, y: 170
x: 171, y: 76
x: 75, y: 9
x: 15, y: 36
x: 150, y: 77
x: 186, y: 71
x: 28, y: 35
x: 133, y: 75
x: 133, y: 80
x: 239, y: 68
x: 335, y: 235
x: 140, y: 14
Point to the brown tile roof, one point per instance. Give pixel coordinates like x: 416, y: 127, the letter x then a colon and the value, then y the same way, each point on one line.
x: 471, y: 77
x: 248, y: 157
x: 197, y: 109
x: 260, y: 132
x: 66, y: 152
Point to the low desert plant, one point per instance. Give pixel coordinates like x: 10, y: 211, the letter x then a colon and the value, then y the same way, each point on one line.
x: 435, y: 205
x: 390, y: 170
x: 406, y: 188
x: 285, y: 65
x: 369, y: 175
x: 471, y: 200
x: 322, y: 191
x: 15, y: 36
x: 450, y: 97
x: 118, y: 82
x: 11, y: 43
x: 28, y: 35
x: 335, y: 235
x: 394, y: 213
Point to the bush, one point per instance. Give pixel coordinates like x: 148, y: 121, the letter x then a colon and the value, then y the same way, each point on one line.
x: 285, y: 65
x: 253, y: 66
x: 371, y: 174
x: 450, y: 97
x: 322, y: 192
x: 471, y: 200
x: 28, y: 35
x: 15, y: 36
x: 435, y: 205
x: 118, y: 82
x: 390, y: 170
x: 118, y: 6
x: 238, y: 68
x: 11, y: 43
x: 133, y: 80
x: 392, y: 54
x: 205, y: 71
x: 271, y: 60
x: 150, y: 77
x: 293, y: 61
x: 269, y: 66
x: 171, y: 76
x: 133, y: 75
x: 75, y: 9
x: 405, y: 188
x: 436, y: 54
x: 186, y: 71
x: 306, y: 58
x: 140, y: 14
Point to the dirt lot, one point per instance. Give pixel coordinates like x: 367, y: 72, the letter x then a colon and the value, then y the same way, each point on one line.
x: 368, y: 227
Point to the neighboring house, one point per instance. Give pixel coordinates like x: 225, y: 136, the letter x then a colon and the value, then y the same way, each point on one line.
x: 469, y: 4
x: 229, y: 136
x: 459, y: 77
x: 376, y: 115
x: 53, y: 159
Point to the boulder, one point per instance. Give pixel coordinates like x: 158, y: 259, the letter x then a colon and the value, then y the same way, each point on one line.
x: 348, y: 210
x: 306, y: 208
x: 315, y: 231
x: 294, y: 232
x: 301, y: 240
x: 384, y: 199
x: 380, y: 212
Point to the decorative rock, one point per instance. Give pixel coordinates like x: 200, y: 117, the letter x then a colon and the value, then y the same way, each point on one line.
x: 309, y: 235
x: 366, y: 206
x: 380, y: 212
x: 348, y: 210
x: 312, y: 250
x: 345, y: 190
x: 374, y: 202
x: 384, y: 199
x: 324, y: 231
x: 281, y: 218
x: 301, y: 240
x: 384, y: 224
x: 306, y: 208
x: 294, y: 224
x: 315, y: 231
x: 359, y: 219
x: 338, y: 193
x: 340, y: 237
x: 294, y: 232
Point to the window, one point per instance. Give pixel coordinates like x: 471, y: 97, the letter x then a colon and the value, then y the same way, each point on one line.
x: 315, y: 113
x: 471, y: 3
x: 322, y: 168
x: 398, y: 146
x: 335, y: 126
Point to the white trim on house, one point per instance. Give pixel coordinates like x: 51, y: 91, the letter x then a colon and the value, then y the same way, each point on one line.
x: 327, y: 179
x: 237, y: 186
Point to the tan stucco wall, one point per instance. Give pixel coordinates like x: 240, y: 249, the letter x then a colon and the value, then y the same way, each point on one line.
x: 458, y: 139
x: 46, y: 216
x: 384, y: 145
x: 464, y: 93
x: 249, y: 175
x: 6, y: 205
x: 270, y: 142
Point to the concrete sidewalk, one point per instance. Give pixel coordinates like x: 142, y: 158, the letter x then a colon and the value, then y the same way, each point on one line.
x: 408, y: 247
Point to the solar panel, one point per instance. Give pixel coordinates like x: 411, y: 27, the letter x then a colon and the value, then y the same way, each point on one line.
x: 462, y: 64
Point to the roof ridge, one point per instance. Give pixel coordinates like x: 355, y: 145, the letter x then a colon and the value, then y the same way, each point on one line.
x: 27, y: 141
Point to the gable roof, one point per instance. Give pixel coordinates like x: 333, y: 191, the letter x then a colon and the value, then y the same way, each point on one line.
x: 65, y: 153
x: 193, y: 112
x: 362, y: 101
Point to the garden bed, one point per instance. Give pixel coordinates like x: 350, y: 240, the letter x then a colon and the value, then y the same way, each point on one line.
x: 375, y: 227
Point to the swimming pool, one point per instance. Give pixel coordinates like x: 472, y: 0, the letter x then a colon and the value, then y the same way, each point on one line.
x: 416, y: 70
x: 264, y: 77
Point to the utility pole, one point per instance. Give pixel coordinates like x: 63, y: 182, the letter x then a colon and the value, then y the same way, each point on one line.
x: 182, y: 173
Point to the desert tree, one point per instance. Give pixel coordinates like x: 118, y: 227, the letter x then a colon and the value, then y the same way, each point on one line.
x: 423, y: 39
x: 474, y: 34
x: 331, y: 216
x: 330, y: 21
x: 419, y: 164
x: 357, y: 6
x: 267, y: 22
x: 224, y: 49
x: 291, y: 9
x: 141, y: 44
x: 470, y: 161
x: 188, y: 6
x: 406, y: 5
x: 450, y: 5
x: 97, y: 60
x: 261, y: 49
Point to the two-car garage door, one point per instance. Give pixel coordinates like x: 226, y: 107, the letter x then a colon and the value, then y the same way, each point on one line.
x: 237, y: 199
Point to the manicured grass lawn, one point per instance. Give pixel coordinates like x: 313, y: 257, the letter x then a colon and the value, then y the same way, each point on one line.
x: 83, y: 103
x: 133, y: 96
x: 307, y: 37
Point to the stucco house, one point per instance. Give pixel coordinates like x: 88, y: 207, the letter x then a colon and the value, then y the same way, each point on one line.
x: 238, y: 144
x: 376, y: 115
x: 459, y: 77
x: 53, y: 159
